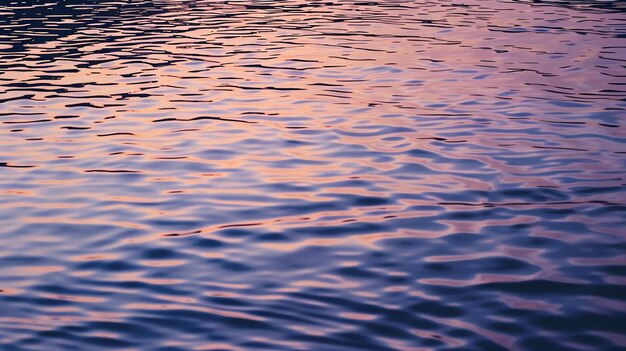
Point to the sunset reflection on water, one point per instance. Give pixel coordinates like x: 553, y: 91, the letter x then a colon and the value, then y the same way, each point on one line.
x: 305, y: 175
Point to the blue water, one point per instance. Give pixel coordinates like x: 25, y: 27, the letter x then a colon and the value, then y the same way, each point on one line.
x: 312, y: 175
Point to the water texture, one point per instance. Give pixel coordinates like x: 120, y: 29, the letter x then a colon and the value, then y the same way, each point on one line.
x: 312, y: 175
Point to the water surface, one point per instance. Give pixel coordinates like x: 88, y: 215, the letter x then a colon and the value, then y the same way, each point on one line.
x: 312, y: 175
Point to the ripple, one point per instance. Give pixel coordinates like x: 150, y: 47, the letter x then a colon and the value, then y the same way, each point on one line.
x: 306, y: 175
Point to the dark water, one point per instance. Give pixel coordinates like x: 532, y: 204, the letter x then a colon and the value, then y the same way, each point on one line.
x: 312, y: 175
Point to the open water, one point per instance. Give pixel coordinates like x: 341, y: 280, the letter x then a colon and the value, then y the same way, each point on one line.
x: 331, y: 175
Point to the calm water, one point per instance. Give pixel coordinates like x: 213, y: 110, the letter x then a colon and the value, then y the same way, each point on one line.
x: 312, y: 175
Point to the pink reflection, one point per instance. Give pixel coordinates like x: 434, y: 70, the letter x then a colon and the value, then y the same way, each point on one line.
x: 170, y: 135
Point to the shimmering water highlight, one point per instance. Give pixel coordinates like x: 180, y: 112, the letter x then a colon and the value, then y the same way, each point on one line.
x: 312, y: 175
